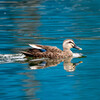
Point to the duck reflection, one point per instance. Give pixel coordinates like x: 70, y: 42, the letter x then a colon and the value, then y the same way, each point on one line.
x: 39, y: 63
x: 70, y: 67
x: 44, y: 63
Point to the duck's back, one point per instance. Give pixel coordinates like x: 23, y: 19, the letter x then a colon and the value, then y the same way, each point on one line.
x: 42, y: 51
x: 50, y: 48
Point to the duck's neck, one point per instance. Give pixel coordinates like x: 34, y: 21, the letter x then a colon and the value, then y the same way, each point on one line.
x: 67, y: 50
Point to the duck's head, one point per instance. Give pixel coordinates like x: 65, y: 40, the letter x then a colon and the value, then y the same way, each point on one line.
x: 69, y: 43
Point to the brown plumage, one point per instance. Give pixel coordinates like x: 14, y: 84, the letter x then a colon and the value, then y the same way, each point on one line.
x: 41, y: 51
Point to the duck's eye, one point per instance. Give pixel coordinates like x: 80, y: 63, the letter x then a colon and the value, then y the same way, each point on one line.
x: 70, y: 42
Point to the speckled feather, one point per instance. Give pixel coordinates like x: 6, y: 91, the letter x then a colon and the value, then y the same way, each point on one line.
x: 50, y: 51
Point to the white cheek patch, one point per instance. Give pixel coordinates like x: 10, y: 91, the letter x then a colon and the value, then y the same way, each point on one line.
x: 69, y: 43
x: 66, y: 42
x: 72, y: 45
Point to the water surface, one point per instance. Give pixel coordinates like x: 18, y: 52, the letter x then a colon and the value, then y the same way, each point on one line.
x: 49, y: 22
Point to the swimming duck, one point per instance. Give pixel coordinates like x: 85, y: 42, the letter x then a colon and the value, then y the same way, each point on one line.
x: 42, y: 51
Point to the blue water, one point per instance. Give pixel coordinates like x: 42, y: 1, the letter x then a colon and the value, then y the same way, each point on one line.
x: 49, y: 22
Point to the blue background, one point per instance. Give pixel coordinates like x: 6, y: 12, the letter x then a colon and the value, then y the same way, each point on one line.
x: 49, y: 22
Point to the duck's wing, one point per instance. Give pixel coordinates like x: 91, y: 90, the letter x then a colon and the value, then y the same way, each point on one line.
x: 38, y: 47
x: 43, y: 48
x: 35, y: 50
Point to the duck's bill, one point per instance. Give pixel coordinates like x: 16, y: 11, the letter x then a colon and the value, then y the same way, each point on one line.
x: 75, y: 46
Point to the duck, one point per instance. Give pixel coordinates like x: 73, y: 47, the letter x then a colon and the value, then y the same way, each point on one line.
x: 45, y: 51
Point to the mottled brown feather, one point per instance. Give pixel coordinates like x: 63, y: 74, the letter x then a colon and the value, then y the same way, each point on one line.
x: 51, y: 52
